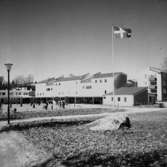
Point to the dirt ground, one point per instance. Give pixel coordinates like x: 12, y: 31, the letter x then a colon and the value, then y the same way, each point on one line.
x: 16, y: 151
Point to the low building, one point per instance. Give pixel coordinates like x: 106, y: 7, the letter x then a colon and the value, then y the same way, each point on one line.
x: 127, y: 96
x: 17, y: 95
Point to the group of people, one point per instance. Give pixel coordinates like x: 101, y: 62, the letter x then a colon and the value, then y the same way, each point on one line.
x: 60, y: 104
x: 48, y: 104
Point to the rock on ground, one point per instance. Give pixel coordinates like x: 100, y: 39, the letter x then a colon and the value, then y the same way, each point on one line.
x: 110, y: 122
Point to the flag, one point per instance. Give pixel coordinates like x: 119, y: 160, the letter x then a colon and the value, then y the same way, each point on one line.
x: 121, y: 32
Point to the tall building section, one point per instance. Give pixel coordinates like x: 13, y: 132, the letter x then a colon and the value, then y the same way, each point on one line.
x: 156, y: 82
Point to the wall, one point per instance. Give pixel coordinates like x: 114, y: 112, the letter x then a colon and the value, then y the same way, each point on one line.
x: 95, y: 87
x: 159, y: 87
x: 141, y: 98
x: 129, y: 100
x: 164, y: 86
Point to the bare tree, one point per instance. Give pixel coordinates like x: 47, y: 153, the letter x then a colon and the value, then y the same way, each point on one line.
x: 2, y: 81
x: 29, y: 79
x: 19, y: 80
x: 22, y: 80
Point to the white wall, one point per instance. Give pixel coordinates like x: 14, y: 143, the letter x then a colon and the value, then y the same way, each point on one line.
x: 159, y: 87
x: 75, y: 88
x: 44, y: 90
x: 129, y: 100
x: 143, y: 80
x: 95, y: 89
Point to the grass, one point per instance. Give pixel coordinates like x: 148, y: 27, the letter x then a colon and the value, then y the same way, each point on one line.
x: 145, y: 144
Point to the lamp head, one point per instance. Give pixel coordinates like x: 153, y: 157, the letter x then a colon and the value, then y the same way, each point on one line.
x: 8, y: 66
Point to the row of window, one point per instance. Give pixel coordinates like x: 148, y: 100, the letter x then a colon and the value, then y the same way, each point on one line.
x: 11, y: 93
x: 58, y: 84
x: 40, y: 94
x: 120, y: 99
x: 96, y: 81
x: 49, y: 89
x: 101, y: 81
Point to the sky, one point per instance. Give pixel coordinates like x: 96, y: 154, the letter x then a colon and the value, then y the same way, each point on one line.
x: 49, y: 38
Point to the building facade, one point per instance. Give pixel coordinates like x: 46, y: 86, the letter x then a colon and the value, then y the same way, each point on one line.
x: 82, y: 87
x: 17, y: 95
x: 127, y: 96
x: 156, y: 82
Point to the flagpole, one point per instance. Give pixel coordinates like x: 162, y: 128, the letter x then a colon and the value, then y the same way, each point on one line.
x: 112, y: 47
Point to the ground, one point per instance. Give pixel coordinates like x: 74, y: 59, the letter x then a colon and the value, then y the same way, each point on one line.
x: 145, y: 144
x: 16, y: 151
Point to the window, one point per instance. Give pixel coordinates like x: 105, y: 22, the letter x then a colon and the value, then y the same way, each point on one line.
x: 59, y: 83
x: 105, y: 80
x: 104, y: 97
x: 125, y: 99
x: 95, y: 81
x: 105, y: 92
x: 112, y: 98
x: 47, y: 89
x: 88, y: 86
x: 153, y: 90
x: 164, y: 91
x: 100, y: 81
x: 3, y: 93
x: 164, y: 83
x: 119, y: 99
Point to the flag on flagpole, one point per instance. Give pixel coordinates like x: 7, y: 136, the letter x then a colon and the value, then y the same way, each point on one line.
x: 121, y: 32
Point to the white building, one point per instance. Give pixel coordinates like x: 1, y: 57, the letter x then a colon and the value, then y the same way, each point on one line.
x: 156, y: 82
x: 83, y: 86
x: 127, y: 96
x: 15, y: 94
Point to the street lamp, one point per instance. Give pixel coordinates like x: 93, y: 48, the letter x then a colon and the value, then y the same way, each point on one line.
x: 8, y: 67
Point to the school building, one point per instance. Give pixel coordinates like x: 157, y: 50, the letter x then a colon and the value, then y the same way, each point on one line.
x: 87, y: 88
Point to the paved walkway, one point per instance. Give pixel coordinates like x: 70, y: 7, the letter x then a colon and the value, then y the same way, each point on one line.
x: 56, y: 119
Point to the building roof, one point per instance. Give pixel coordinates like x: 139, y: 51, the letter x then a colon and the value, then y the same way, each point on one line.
x: 158, y: 70
x: 47, y: 80
x: 68, y: 78
x: 128, y: 90
x: 105, y: 75
x: 83, y: 78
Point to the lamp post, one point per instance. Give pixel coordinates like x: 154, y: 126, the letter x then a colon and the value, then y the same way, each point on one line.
x: 8, y: 67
